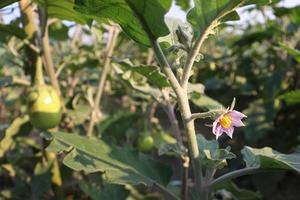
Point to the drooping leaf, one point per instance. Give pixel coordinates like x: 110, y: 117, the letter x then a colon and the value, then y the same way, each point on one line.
x: 152, y: 73
x: 119, y: 165
x: 64, y: 10
x: 133, y: 16
x: 211, y: 155
x: 109, y: 191
x: 209, y: 14
x: 267, y: 158
x: 292, y: 97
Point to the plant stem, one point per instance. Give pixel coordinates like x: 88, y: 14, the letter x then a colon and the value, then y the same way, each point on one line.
x: 235, y: 174
x: 191, y: 58
x: 113, y: 33
x: 184, y: 107
x: 46, y: 51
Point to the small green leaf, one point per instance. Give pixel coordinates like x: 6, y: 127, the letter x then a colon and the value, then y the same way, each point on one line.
x: 293, y: 52
x: 183, y: 4
x: 206, y: 103
x: 119, y: 165
x: 152, y: 73
x: 211, y: 155
x: 267, y: 158
x: 292, y: 97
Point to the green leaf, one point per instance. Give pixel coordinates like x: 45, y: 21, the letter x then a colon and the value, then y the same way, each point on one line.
x: 109, y: 191
x: 119, y: 165
x: 267, y: 158
x: 133, y: 16
x: 206, y: 103
x: 4, y: 3
x: 183, y: 4
x: 211, y: 155
x: 293, y: 52
x: 152, y: 73
x: 207, y: 15
x: 292, y: 97
x: 11, y: 29
x: 41, y: 181
x: 64, y: 10
x: 236, y: 192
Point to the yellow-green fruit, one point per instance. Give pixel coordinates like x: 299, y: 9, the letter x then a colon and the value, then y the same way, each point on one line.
x: 44, y: 107
x: 145, y: 143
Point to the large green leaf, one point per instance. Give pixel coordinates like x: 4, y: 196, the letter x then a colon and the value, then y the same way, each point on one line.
x: 119, y: 165
x: 64, y: 10
x: 209, y: 14
x: 267, y: 158
x: 133, y: 16
x: 211, y: 155
x: 152, y: 73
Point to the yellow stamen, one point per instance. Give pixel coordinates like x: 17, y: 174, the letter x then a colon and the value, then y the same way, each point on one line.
x: 225, y: 121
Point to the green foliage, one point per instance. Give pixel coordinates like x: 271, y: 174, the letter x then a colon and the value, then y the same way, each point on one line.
x: 152, y: 73
x: 4, y: 3
x: 64, y: 10
x: 293, y: 52
x: 134, y: 25
x: 108, y: 191
x: 236, y: 192
x: 213, y: 157
x: 183, y: 4
x: 267, y: 158
x: 120, y: 166
x: 207, y: 15
x: 292, y: 97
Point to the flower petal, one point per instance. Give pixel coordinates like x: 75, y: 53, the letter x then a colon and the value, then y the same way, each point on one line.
x: 215, y: 124
x: 229, y: 131
x: 219, y: 131
x: 236, y: 114
x: 236, y: 122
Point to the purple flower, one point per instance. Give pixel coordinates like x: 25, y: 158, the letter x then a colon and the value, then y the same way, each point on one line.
x: 226, y: 123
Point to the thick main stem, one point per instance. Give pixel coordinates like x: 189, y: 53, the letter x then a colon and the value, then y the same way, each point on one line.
x: 113, y: 33
x: 184, y: 107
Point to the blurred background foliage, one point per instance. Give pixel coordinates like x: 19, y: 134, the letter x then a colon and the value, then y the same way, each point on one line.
x: 258, y: 64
